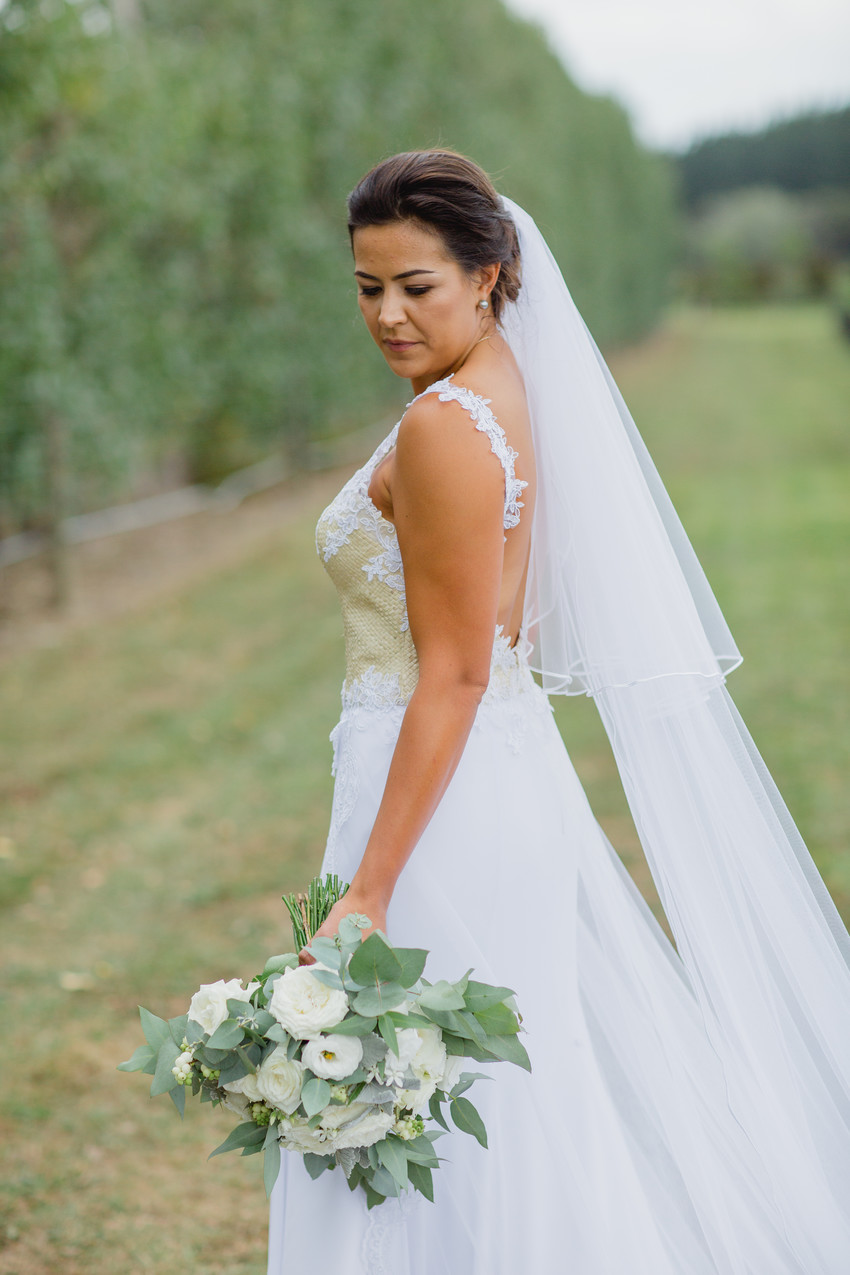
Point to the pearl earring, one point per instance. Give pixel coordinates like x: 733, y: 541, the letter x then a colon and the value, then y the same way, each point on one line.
x: 484, y: 304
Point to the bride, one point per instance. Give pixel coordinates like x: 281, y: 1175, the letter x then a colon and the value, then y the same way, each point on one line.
x: 688, y: 1109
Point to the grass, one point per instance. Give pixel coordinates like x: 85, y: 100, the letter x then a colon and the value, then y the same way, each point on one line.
x: 165, y: 778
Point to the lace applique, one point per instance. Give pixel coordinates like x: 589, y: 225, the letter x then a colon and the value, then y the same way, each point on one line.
x: 352, y: 508
x: 383, y: 1225
x: 346, y: 788
x: 386, y: 566
x: 372, y: 690
x: 486, y: 422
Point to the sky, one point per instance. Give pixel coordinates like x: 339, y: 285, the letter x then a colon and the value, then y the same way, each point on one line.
x: 685, y: 69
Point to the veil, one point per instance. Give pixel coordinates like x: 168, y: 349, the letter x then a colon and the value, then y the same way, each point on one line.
x: 617, y: 607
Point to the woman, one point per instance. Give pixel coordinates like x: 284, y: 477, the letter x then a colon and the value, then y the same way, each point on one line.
x: 687, y: 1111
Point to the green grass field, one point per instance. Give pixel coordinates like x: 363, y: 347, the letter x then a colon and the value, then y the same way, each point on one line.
x: 165, y: 777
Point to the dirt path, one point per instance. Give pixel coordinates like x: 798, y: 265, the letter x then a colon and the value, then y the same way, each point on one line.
x: 125, y: 572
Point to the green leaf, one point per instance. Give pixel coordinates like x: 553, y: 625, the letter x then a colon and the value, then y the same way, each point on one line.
x: 326, y: 951
x: 510, y: 1049
x: 441, y: 996
x: 271, y: 1164
x: 375, y: 962
x: 178, y: 1097
x: 144, y: 1059
x: 373, y: 1001
x: 155, y: 1029
x: 473, y: 1026
x: 178, y: 1027
x: 387, y: 1029
x: 226, y: 1036
x: 277, y: 964
x: 392, y: 1154
x: 164, y: 1078
x: 452, y: 1020
x: 292, y: 1047
x: 421, y: 1180
x: 437, y: 1111
x: 329, y: 978
x: 412, y: 961
x: 468, y: 1120
x: 278, y: 1033
x: 467, y: 1079
x: 316, y: 1164
x: 246, y: 1134
x: 194, y: 1032
x: 497, y: 1020
x: 483, y: 995
x: 382, y: 1181
x: 315, y: 1095
x: 372, y: 1196
x: 409, y: 1020
x: 355, y: 1025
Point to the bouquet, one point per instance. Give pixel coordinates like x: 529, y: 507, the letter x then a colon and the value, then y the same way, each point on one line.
x: 343, y: 1061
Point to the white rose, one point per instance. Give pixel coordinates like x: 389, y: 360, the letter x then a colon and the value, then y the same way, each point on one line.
x: 279, y: 1081
x: 238, y: 1104
x: 428, y: 1065
x: 452, y: 1072
x: 208, y: 1007
x: 333, y: 1057
x: 246, y: 1086
x: 395, y: 1066
x: 304, y: 1006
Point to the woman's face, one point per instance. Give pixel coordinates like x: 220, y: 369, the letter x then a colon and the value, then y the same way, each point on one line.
x: 420, y: 306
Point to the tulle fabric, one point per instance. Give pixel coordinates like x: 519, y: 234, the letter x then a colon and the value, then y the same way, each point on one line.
x: 622, y: 1151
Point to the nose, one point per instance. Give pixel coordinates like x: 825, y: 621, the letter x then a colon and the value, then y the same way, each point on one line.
x: 392, y: 309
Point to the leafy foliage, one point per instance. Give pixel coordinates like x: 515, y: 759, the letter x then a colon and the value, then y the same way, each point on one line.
x: 174, y: 266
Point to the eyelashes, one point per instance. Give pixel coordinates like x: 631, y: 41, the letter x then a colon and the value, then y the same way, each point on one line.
x: 414, y: 291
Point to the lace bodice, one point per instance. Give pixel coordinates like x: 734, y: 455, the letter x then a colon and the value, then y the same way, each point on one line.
x: 360, y: 550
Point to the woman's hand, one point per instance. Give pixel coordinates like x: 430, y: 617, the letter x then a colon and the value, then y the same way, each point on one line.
x: 350, y: 902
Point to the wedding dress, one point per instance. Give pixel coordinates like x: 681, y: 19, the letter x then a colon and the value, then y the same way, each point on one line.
x: 623, y: 1152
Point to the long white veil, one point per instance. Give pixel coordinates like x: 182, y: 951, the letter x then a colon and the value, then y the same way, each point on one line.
x: 617, y: 607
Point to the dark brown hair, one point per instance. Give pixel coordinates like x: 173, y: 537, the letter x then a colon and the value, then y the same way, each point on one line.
x: 451, y: 195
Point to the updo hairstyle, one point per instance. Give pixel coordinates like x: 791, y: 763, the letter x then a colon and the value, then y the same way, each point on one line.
x: 447, y: 193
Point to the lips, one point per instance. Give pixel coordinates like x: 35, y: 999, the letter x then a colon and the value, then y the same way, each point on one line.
x: 397, y: 346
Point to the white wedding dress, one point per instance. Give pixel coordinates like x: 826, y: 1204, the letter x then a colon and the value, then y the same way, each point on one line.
x: 619, y: 1154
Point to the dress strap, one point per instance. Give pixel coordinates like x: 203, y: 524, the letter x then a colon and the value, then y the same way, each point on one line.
x: 484, y: 420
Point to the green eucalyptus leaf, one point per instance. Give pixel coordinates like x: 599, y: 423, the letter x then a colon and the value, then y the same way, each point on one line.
x: 177, y: 1027
x: 497, y: 1020
x: 467, y: 1119
x: 375, y: 962
x: 483, y: 995
x: 384, y: 1183
x: 164, y: 1078
x: 155, y: 1029
x: 329, y: 978
x: 246, y: 1134
x: 441, y: 996
x: 278, y: 1033
x: 387, y: 1029
x: 271, y: 1164
x: 355, y: 1025
x: 436, y: 1111
x: 412, y: 960
x: 178, y: 1097
x: 316, y: 1164
x: 510, y: 1049
x: 421, y: 1180
x: 315, y: 1095
x: 326, y: 951
x: 143, y: 1059
x: 373, y: 1001
x: 393, y: 1156
x: 226, y: 1036
x: 277, y: 964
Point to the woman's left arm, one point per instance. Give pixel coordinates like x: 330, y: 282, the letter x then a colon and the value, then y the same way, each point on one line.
x: 448, y: 509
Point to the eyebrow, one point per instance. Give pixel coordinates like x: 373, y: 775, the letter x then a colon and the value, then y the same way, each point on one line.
x: 404, y: 275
